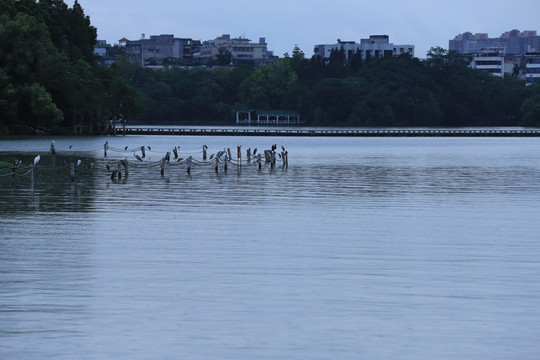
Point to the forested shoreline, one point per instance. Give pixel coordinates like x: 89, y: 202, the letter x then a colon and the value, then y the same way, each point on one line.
x: 395, y: 91
x: 49, y: 78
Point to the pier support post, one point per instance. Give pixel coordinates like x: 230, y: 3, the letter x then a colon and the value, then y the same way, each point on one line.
x: 190, y: 159
x: 105, y: 148
x: 143, y: 151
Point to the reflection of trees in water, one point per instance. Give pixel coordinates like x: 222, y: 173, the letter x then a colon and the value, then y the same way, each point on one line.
x: 51, y: 189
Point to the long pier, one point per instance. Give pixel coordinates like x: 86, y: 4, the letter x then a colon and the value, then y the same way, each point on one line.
x: 133, y: 130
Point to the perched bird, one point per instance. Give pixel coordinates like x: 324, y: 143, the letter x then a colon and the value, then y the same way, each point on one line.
x: 70, y: 146
x: 254, y: 151
x: 211, y: 156
x: 79, y: 162
x: 108, y: 167
x: 36, y: 160
x: 149, y: 148
x: 168, y: 156
x: 282, y: 148
x: 126, y: 148
x: 138, y: 157
x: 205, y: 147
x: 274, y: 147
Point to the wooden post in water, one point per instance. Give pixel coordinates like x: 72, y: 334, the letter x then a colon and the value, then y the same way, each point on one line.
x: 143, y: 151
x: 217, y: 162
x: 32, y: 176
x: 162, y: 165
x: 125, y: 165
x: 13, y: 170
x: 175, y: 152
x: 204, y: 152
x: 239, y: 154
x: 248, y: 155
x: 72, y: 172
x: 226, y: 161
x: 189, y: 160
x: 259, y: 161
x: 105, y: 147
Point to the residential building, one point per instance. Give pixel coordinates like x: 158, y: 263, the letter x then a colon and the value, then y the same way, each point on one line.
x: 491, y: 61
x: 242, y: 50
x: 375, y: 46
x: 100, y: 49
x: 531, y: 65
x: 512, y: 42
x: 161, y: 50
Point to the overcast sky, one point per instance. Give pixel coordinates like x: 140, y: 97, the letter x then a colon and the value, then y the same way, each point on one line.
x: 284, y: 23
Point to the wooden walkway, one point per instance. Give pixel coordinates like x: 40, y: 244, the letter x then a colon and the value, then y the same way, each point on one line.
x: 331, y: 132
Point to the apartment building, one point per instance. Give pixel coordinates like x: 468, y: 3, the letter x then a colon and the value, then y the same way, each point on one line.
x: 161, y: 49
x: 375, y: 46
x: 242, y: 50
x: 512, y: 42
x: 491, y: 61
x: 531, y: 68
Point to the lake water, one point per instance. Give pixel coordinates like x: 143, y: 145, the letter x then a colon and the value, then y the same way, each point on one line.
x: 363, y: 248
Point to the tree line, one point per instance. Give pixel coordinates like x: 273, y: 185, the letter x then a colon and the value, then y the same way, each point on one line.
x: 392, y: 91
x: 49, y: 77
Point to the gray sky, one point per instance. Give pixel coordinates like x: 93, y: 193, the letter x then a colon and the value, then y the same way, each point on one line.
x: 284, y: 23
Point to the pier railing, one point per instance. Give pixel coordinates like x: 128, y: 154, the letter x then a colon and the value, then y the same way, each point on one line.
x: 333, y: 132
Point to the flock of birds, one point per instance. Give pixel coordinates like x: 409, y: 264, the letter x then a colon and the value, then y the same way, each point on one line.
x: 221, y: 156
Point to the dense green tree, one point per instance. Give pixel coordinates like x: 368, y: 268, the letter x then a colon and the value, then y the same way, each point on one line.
x: 47, y: 70
x: 267, y: 86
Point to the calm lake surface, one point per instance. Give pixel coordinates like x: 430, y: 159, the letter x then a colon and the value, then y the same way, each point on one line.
x: 363, y: 248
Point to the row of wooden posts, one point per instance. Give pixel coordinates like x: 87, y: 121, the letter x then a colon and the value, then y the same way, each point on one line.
x: 269, y: 157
